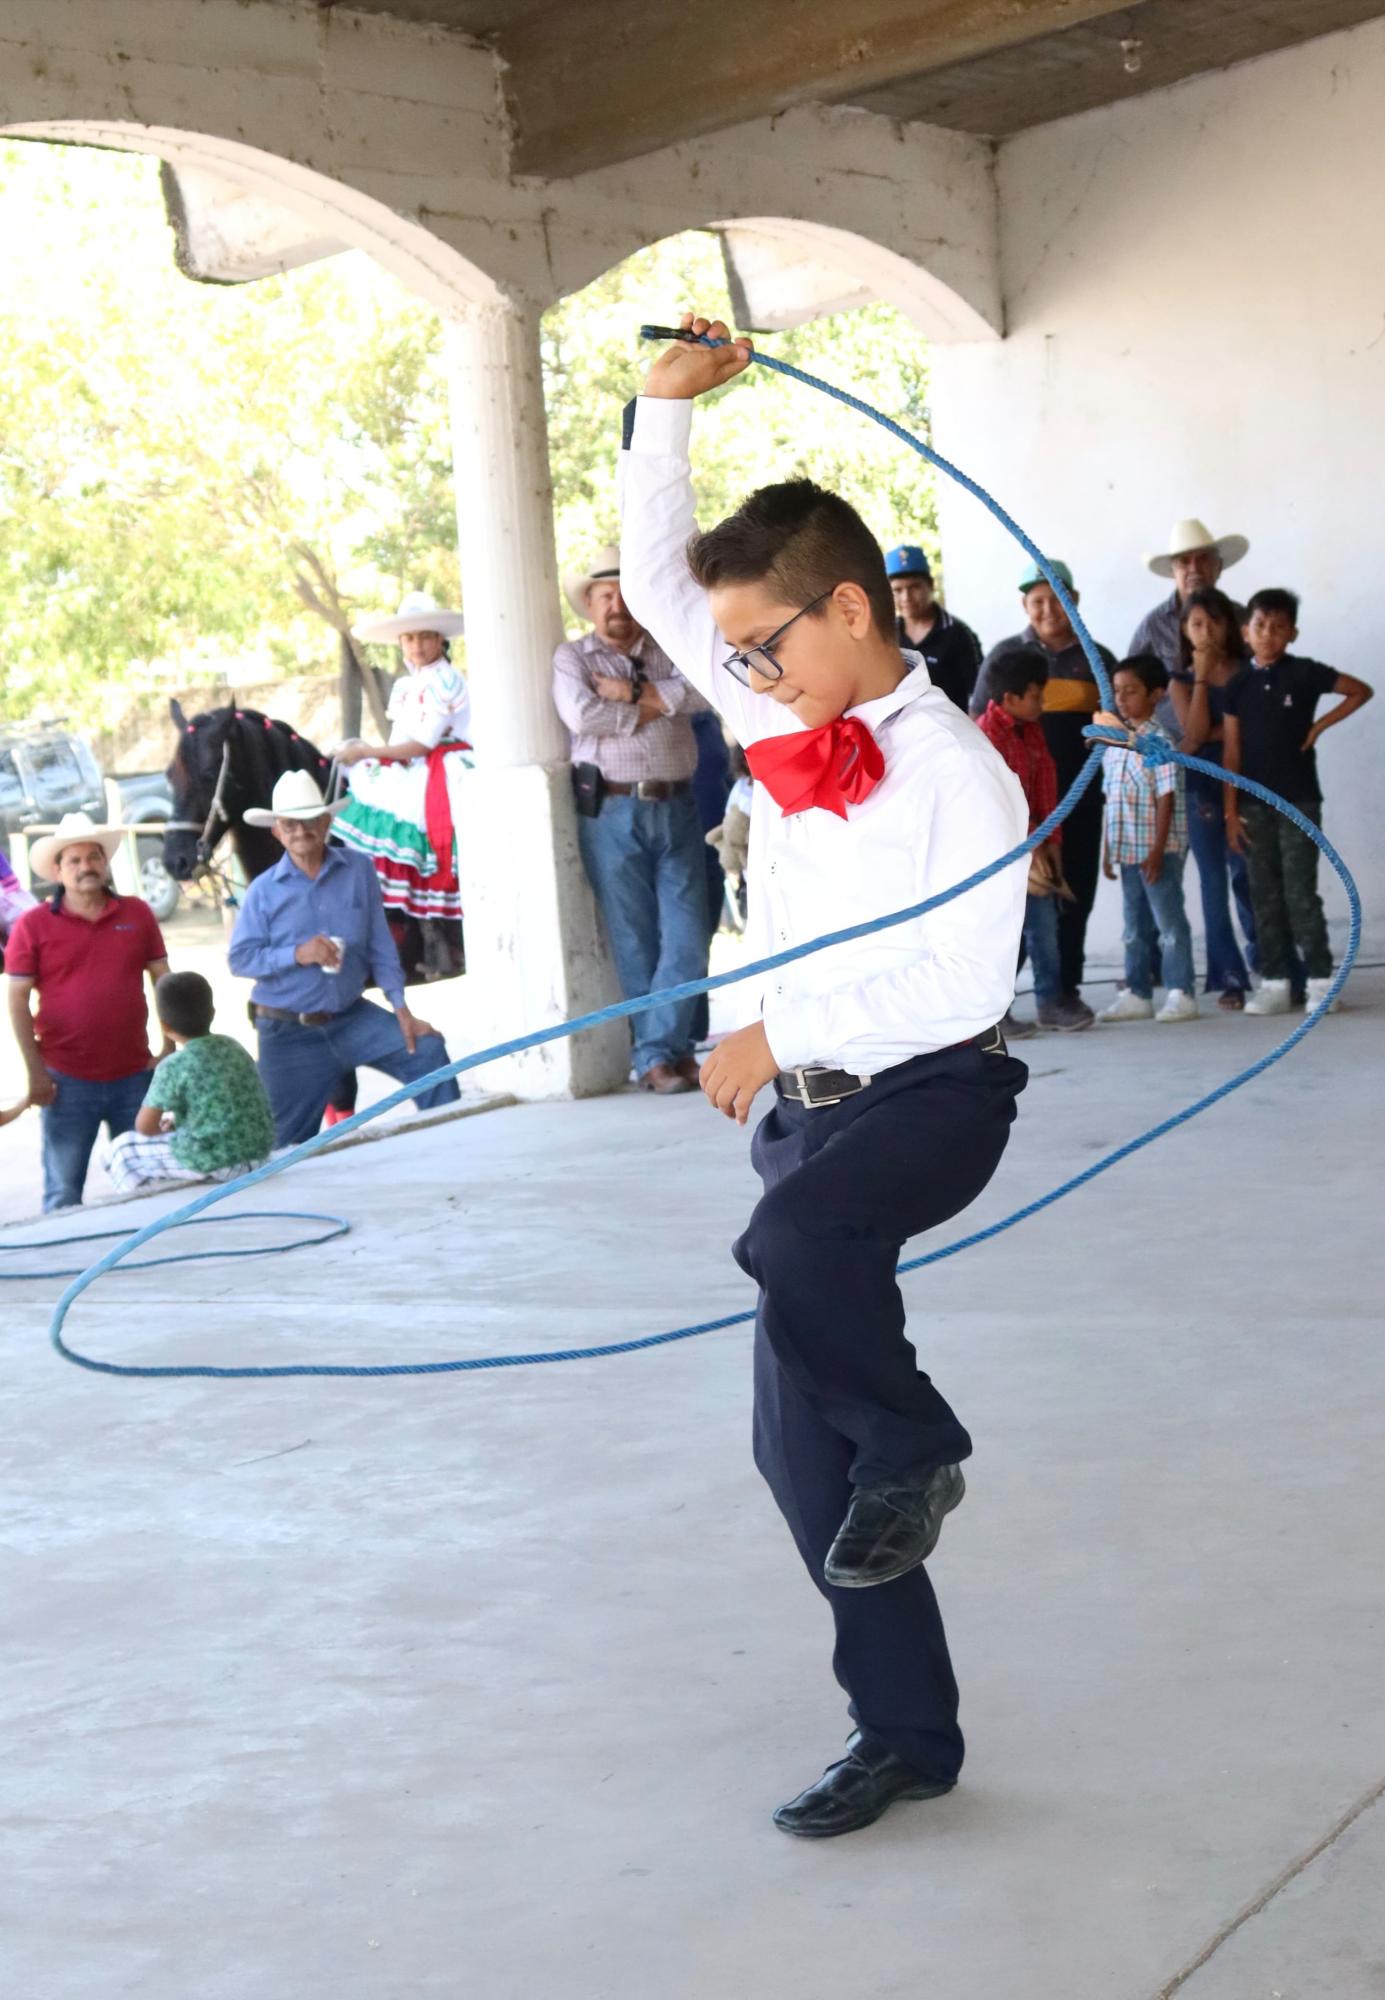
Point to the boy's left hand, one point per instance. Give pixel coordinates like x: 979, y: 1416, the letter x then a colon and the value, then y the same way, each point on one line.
x: 1152, y: 867
x: 682, y: 372
x: 1311, y: 738
x: 740, y: 1065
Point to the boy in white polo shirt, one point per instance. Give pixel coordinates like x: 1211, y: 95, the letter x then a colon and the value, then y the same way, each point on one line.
x: 894, y: 1093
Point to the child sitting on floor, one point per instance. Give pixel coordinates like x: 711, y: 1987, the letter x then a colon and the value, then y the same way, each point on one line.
x: 1011, y: 721
x: 211, y: 1091
x: 1146, y: 839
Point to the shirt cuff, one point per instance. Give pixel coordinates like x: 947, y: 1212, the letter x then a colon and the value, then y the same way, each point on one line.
x: 662, y: 426
x: 793, y: 1032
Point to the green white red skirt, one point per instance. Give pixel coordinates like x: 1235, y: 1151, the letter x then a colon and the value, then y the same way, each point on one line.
x: 404, y: 816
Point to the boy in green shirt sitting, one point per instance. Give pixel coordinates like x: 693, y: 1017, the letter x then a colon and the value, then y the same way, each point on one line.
x: 208, y: 1091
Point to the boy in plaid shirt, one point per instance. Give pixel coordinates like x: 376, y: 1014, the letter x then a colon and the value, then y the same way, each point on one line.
x: 1146, y: 840
x: 1011, y: 721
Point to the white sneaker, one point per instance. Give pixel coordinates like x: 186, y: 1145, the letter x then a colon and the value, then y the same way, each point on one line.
x: 1317, y: 993
x: 1271, y: 996
x: 1178, y: 1006
x: 1128, y: 1006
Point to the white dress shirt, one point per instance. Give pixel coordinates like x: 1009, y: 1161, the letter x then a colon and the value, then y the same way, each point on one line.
x: 946, y: 806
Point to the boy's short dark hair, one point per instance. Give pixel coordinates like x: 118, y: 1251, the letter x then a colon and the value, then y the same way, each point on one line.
x: 801, y: 539
x: 184, y: 1003
x: 1148, y: 669
x: 1017, y: 672
x: 1272, y: 600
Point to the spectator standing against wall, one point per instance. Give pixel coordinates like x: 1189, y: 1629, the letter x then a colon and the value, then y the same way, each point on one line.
x: 1070, y: 701
x: 634, y: 755
x: 1195, y: 559
x: 951, y: 650
x: 86, y: 955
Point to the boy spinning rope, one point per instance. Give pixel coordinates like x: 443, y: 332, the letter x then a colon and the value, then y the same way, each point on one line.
x: 893, y: 1090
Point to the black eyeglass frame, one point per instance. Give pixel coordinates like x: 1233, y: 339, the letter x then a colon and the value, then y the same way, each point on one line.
x: 739, y: 664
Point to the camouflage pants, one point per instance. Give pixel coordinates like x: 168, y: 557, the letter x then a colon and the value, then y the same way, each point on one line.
x: 1283, y: 868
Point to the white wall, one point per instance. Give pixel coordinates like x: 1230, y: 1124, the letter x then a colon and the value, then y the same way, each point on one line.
x: 1195, y: 296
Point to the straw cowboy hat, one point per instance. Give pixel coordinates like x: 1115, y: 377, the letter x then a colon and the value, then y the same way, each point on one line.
x: 418, y: 612
x: 296, y: 795
x: 73, y: 830
x: 577, y: 583
x: 1185, y: 536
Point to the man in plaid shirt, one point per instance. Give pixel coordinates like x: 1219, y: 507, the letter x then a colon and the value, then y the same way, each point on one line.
x: 1146, y: 840
x: 1011, y: 721
x: 628, y: 711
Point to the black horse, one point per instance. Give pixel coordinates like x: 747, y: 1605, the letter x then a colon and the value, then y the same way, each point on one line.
x: 228, y: 760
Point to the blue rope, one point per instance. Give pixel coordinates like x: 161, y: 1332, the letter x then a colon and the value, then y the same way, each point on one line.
x: 335, y: 1226
x: 1154, y: 749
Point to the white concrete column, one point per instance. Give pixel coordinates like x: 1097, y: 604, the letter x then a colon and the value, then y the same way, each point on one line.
x: 536, y: 951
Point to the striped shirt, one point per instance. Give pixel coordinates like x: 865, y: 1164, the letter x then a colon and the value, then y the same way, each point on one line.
x: 612, y: 734
x: 1133, y: 792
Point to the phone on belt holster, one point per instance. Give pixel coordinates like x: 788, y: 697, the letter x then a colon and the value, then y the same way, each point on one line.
x: 588, y: 789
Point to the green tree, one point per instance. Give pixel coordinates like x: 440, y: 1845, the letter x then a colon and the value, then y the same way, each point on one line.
x: 767, y: 428
x: 187, y: 471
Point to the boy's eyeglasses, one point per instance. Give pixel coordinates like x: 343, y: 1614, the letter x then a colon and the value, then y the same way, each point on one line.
x: 762, y: 657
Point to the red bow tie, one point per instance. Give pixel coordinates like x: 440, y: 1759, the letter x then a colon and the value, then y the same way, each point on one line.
x: 832, y: 767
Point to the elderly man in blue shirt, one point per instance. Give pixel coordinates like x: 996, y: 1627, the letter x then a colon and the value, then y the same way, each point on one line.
x: 312, y: 934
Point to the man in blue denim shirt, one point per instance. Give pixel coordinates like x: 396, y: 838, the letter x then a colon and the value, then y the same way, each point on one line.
x: 311, y: 934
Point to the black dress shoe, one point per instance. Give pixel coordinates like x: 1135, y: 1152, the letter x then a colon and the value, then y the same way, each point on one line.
x: 890, y: 1530
x: 854, y: 1792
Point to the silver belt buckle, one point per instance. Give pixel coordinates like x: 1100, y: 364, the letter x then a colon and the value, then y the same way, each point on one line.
x: 812, y: 1103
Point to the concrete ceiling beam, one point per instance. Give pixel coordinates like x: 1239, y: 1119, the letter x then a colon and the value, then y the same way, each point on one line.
x: 584, y: 92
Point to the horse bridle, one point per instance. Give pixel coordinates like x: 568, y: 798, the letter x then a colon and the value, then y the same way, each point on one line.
x: 216, y: 811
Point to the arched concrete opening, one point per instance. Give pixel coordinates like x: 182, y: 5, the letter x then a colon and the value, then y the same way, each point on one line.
x: 532, y: 934
x: 439, y: 274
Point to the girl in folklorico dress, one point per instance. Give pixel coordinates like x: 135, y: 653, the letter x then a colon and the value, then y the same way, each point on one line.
x: 403, y: 809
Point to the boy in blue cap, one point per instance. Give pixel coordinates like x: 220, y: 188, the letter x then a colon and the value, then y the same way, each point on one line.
x: 951, y: 650
x: 893, y: 1089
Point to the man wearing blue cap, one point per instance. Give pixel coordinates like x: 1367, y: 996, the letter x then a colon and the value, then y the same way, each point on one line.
x: 1070, y: 701
x: 951, y: 650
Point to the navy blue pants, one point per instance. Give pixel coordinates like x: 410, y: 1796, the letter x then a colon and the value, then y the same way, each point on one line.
x: 839, y: 1396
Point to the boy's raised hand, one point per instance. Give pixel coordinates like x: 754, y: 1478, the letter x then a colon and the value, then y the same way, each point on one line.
x: 684, y: 371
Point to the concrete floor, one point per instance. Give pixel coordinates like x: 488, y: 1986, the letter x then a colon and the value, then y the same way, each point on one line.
x: 485, y: 1685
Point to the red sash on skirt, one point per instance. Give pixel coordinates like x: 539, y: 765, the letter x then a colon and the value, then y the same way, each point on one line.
x: 437, y: 813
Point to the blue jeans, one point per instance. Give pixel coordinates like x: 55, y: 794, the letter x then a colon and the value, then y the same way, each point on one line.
x: 1221, y: 876
x: 71, y: 1124
x: 1041, y: 948
x: 1154, y: 910
x: 644, y: 860
x: 300, y: 1067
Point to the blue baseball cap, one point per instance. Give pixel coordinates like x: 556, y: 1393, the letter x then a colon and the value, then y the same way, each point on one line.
x: 1035, y: 575
x: 908, y: 560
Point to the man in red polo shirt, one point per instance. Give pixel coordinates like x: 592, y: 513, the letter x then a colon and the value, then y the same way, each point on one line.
x: 87, y: 954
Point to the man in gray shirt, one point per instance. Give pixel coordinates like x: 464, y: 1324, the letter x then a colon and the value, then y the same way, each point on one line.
x: 1195, y: 559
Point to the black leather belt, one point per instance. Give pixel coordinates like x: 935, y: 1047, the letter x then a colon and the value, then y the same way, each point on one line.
x: 259, y: 1012
x: 650, y: 788
x: 817, y: 1088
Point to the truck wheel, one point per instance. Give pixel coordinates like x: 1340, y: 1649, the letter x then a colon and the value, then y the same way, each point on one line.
x: 158, y: 888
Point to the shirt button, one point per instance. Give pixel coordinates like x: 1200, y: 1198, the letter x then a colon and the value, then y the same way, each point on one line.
x: 773, y: 867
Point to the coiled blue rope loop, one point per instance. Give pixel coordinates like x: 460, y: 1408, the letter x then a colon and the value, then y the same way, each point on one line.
x: 1155, y: 750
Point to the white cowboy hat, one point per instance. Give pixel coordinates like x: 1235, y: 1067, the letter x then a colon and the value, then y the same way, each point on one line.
x: 1185, y: 536
x: 296, y: 795
x: 577, y: 583
x: 73, y: 829
x: 418, y: 612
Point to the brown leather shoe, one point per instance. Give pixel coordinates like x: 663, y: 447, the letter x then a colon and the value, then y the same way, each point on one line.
x: 665, y: 1081
x: 691, y: 1068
